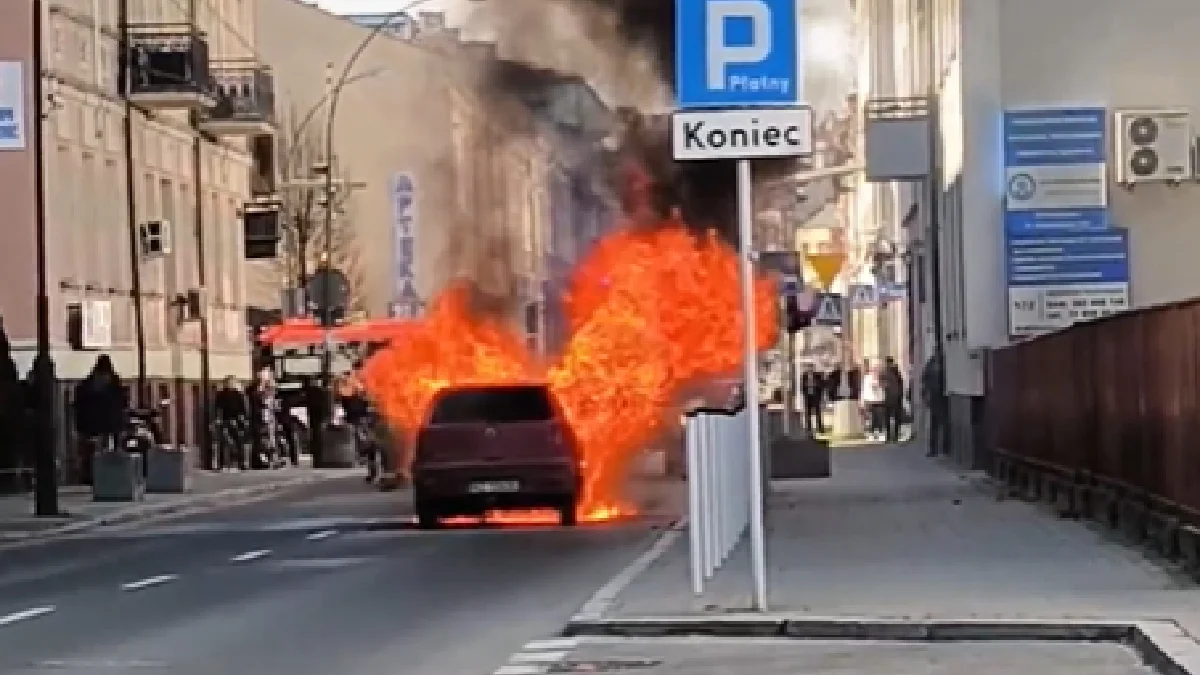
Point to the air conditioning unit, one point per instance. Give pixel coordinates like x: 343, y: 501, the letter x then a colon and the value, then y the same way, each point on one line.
x: 1153, y: 146
x: 156, y: 238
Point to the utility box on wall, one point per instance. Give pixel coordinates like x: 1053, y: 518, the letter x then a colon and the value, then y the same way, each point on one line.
x: 898, y: 139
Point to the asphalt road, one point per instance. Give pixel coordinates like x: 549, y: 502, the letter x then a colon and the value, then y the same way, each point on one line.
x: 330, y: 580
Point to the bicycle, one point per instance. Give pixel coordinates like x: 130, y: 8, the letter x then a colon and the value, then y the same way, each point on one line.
x: 231, y: 451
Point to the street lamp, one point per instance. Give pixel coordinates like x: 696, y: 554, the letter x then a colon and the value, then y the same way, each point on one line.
x: 325, y: 312
x: 42, y: 375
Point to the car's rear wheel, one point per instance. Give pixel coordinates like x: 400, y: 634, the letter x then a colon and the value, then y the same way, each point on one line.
x: 568, y: 515
x: 428, y: 516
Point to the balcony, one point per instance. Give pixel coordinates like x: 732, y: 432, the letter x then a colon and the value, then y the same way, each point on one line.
x: 168, y: 68
x: 245, y: 100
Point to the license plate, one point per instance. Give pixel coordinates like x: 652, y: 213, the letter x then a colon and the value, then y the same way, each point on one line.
x: 494, y: 486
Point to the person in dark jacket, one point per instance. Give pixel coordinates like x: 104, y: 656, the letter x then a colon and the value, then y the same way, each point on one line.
x: 893, y: 400
x: 933, y: 395
x: 101, y: 407
x: 316, y: 407
x: 833, y: 384
x: 812, y: 392
x: 232, y: 413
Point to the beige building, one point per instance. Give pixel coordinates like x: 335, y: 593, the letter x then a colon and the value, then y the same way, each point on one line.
x: 409, y: 107
x: 155, y: 222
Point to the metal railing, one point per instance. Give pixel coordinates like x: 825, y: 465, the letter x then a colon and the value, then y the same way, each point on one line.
x: 719, y: 475
x: 245, y: 91
x: 167, y: 58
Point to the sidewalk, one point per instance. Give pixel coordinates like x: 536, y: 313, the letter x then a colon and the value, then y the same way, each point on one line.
x: 209, y: 491
x: 894, y: 534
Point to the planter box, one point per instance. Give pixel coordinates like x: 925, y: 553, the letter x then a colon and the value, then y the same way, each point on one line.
x: 799, y: 457
x: 338, y: 449
x: 117, y: 477
x: 169, y: 470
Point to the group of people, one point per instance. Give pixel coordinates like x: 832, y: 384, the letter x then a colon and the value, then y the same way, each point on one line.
x: 879, y: 387
x: 251, y: 427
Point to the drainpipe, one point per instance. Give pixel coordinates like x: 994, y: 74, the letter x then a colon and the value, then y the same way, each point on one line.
x: 201, y: 272
x: 135, y: 249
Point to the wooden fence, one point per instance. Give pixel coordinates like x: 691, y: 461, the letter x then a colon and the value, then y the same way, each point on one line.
x: 1109, y: 407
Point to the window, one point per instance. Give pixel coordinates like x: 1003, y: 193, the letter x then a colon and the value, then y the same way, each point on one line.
x: 149, y: 209
x: 494, y: 405
x: 90, y: 229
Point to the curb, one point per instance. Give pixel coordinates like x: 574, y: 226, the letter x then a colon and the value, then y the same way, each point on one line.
x: 229, y: 497
x: 1162, y: 644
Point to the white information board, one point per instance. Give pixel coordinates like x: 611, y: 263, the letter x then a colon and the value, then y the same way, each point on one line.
x: 1033, y: 310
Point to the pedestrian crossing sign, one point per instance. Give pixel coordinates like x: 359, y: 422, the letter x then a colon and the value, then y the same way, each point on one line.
x: 864, y: 295
x: 830, y: 310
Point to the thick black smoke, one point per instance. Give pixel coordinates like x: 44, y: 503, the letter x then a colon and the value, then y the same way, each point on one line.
x: 703, y: 191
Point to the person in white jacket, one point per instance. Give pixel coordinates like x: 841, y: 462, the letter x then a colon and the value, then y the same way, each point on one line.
x: 873, y: 400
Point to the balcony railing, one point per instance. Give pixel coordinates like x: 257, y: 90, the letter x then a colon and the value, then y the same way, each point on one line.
x: 168, y: 64
x: 245, y: 96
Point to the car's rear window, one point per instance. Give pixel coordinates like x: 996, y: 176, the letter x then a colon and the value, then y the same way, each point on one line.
x: 493, y: 405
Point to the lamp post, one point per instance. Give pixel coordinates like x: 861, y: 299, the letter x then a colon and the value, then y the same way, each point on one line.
x: 42, y: 375
x: 325, y: 312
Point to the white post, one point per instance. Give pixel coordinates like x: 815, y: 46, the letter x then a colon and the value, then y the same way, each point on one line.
x: 728, y: 487
x: 714, y: 463
x: 695, y: 514
x: 710, y: 497
x: 758, y: 548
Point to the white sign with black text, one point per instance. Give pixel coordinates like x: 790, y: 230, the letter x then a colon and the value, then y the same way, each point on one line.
x: 1041, y: 309
x: 742, y: 134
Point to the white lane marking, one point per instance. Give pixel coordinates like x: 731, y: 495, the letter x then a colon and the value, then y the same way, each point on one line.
x: 323, y: 534
x: 148, y: 582
x: 538, y: 657
x: 78, y: 664
x: 521, y: 670
x: 554, y: 644
x: 250, y: 555
x: 26, y: 614
x: 315, y: 563
x: 600, y: 602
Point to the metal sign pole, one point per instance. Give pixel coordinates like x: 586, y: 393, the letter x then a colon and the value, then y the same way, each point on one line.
x: 758, y: 554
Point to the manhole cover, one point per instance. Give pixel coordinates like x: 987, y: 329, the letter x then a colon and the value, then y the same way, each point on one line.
x: 602, y: 666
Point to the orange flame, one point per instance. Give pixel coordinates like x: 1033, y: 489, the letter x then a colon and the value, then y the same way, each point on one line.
x: 650, y: 310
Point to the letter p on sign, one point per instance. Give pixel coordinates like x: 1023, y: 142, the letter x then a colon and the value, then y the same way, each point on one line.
x: 720, y: 54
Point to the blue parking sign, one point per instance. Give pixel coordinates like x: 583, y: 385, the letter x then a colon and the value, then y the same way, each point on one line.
x: 737, y: 53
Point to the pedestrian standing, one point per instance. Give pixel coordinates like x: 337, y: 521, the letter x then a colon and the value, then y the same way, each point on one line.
x: 812, y: 393
x: 101, y: 406
x: 893, y: 400
x: 872, y: 398
x: 933, y: 395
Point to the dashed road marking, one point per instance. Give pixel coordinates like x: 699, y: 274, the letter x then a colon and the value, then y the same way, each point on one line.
x: 322, y: 535
x: 148, y: 582
x: 316, y: 564
x: 250, y: 555
x: 26, y: 614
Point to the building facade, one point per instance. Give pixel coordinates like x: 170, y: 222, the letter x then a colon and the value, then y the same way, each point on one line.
x: 981, y: 60
x: 409, y: 109
x: 144, y: 200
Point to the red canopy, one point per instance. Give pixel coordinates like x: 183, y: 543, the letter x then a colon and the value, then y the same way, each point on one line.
x: 306, y: 331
